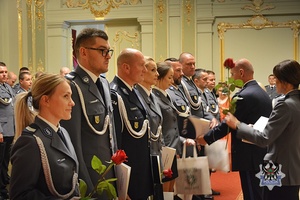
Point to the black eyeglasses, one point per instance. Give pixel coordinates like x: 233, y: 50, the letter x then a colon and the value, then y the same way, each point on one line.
x: 104, y: 52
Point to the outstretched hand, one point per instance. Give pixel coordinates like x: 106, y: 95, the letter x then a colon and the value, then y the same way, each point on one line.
x: 214, y: 122
x: 200, y: 140
x: 231, y: 120
x: 189, y: 142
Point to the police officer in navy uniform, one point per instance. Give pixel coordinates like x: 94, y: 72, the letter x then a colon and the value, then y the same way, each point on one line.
x: 92, y: 124
x: 7, y: 128
x: 213, y: 106
x: 181, y: 104
x: 190, y: 89
x: 131, y: 122
x: 155, y: 123
x: 44, y: 162
x: 271, y: 88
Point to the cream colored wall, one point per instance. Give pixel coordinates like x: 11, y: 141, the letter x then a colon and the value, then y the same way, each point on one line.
x: 264, y: 48
x: 138, y: 25
x: 123, y: 34
x: 9, y: 35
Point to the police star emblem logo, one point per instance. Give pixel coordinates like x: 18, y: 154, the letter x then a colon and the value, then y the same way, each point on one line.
x: 270, y: 175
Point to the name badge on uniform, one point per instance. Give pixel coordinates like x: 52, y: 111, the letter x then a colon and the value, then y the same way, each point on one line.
x: 183, y: 107
x: 97, y: 119
x: 136, y: 125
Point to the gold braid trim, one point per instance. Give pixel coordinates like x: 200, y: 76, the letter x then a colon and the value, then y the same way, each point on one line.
x: 47, y: 173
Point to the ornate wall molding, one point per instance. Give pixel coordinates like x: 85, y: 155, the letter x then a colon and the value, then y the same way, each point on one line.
x: 34, y: 18
x: 124, y: 35
x: 39, y: 12
x: 188, y: 24
x: 20, y: 33
x: 160, y: 10
x: 257, y: 6
x: 99, y: 8
x: 188, y: 9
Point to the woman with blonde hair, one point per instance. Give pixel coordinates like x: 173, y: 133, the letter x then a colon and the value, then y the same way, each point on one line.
x: 44, y: 163
x: 155, y: 121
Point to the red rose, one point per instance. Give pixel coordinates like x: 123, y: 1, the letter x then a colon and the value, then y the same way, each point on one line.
x: 119, y: 157
x: 168, y: 173
x: 229, y: 64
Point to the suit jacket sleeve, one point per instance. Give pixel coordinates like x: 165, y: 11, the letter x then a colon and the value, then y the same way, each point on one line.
x: 216, y: 133
x: 278, y: 122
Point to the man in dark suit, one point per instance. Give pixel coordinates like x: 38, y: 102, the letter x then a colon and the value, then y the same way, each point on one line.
x: 131, y: 122
x: 252, y: 104
x: 7, y: 128
x: 271, y: 88
x: 91, y: 126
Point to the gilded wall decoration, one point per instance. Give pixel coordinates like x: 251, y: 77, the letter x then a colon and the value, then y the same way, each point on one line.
x: 99, y: 8
x: 20, y: 33
x: 188, y: 10
x: 134, y: 39
x: 160, y: 9
x: 160, y: 27
x: 40, y: 66
x: 259, y: 22
x: 39, y: 6
x: 257, y: 6
x: 35, y: 10
x: 188, y: 24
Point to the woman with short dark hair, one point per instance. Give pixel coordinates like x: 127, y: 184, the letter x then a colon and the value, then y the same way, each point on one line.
x: 281, y: 135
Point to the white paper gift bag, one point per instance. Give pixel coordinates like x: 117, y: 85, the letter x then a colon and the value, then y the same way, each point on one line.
x: 217, y: 155
x: 193, y: 175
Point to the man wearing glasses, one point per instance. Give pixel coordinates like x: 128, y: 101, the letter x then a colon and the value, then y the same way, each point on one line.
x: 91, y: 126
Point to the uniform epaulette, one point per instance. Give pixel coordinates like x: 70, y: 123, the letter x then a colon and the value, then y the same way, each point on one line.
x: 171, y: 87
x: 70, y: 76
x: 30, y: 129
x: 5, y: 101
x: 114, y: 87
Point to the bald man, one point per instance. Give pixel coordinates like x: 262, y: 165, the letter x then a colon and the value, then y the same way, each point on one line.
x: 64, y: 71
x: 254, y: 102
x: 131, y: 122
x: 11, y: 78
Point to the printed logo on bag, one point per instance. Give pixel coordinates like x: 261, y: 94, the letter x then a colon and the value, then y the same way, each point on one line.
x: 270, y: 175
x: 191, y: 178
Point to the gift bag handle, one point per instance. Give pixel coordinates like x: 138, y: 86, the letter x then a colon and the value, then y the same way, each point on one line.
x: 184, y: 151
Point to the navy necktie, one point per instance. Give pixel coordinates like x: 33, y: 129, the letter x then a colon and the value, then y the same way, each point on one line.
x: 100, y: 87
x: 61, y: 135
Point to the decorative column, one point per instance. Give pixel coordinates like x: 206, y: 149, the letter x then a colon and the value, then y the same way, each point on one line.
x: 160, y: 30
x: 35, y: 32
x: 188, y: 26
